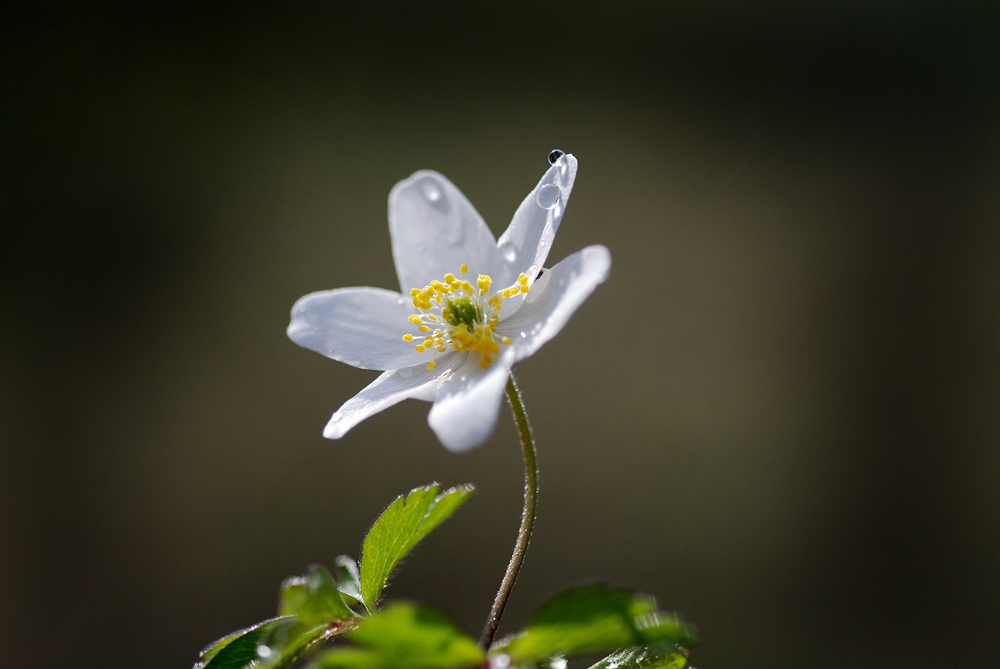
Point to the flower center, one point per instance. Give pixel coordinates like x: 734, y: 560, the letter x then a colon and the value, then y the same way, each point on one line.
x: 455, y: 314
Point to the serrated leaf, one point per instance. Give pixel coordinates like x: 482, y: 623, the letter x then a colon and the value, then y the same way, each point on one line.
x: 405, y: 636
x: 661, y: 655
x: 314, y: 598
x: 345, y: 572
x: 407, y: 520
x: 237, y: 650
x: 594, y: 619
x: 274, y: 644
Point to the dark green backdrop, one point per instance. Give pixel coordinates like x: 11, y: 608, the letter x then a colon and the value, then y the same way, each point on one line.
x: 780, y: 414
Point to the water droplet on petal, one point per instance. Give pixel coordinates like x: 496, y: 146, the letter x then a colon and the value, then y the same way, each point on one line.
x: 548, y: 196
x: 430, y: 190
x: 336, y: 417
x: 524, y: 335
x: 406, y: 372
x: 507, y: 251
x: 554, y: 155
x: 400, y: 300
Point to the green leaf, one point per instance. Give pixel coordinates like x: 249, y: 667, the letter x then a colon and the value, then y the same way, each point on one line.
x: 274, y: 643
x: 594, y: 619
x: 237, y: 650
x: 314, y: 598
x: 407, y: 520
x: 405, y: 636
x: 311, y: 609
x: 345, y: 572
x: 662, y: 655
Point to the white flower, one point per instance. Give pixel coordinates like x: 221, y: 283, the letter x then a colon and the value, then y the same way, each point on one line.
x: 470, y: 306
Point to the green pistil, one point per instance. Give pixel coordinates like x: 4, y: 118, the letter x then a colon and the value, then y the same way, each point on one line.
x: 463, y: 310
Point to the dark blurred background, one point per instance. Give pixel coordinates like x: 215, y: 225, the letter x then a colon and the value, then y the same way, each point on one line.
x: 780, y: 414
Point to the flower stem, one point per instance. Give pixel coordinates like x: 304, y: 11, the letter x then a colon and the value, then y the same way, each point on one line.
x: 527, y: 516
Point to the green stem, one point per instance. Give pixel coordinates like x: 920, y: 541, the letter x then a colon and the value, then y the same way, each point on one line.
x: 527, y: 516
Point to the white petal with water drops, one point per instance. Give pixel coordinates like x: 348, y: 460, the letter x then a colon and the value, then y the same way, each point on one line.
x: 470, y: 305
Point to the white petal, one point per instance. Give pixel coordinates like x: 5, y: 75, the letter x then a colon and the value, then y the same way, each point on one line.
x: 435, y: 230
x: 363, y: 327
x: 554, y: 298
x: 526, y: 243
x: 465, y: 411
x: 391, y: 388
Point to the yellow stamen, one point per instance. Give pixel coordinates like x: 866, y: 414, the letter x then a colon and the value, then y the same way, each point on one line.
x: 464, y: 319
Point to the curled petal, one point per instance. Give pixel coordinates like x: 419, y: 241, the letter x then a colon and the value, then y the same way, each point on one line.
x: 363, y: 327
x: 465, y: 411
x: 554, y: 298
x: 391, y: 388
x: 435, y: 230
x: 525, y: 244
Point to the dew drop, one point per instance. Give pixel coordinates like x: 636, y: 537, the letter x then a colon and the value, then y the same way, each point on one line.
x: 554, y: 155
x: 400, y: 300
x: 430, y: 190
x: 548, y: 196
x: 524, y: 335
x: 501, y: 661
x: 263, y: 651
x: 507, y: 251
x: 336, y: 417
x: 406, y: 372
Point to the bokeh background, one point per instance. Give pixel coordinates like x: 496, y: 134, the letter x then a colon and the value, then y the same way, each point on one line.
x: 780, y: 414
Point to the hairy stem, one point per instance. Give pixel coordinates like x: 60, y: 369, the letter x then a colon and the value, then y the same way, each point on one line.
x: 527, y: 516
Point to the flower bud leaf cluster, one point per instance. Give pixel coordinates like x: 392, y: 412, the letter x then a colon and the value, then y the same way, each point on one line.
x: 322, y: 605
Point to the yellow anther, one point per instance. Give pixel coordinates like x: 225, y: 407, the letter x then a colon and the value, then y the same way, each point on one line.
x: 522, y: 279
x: 524, y: 289
x: 430, y: 365
x: 462, y: 318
